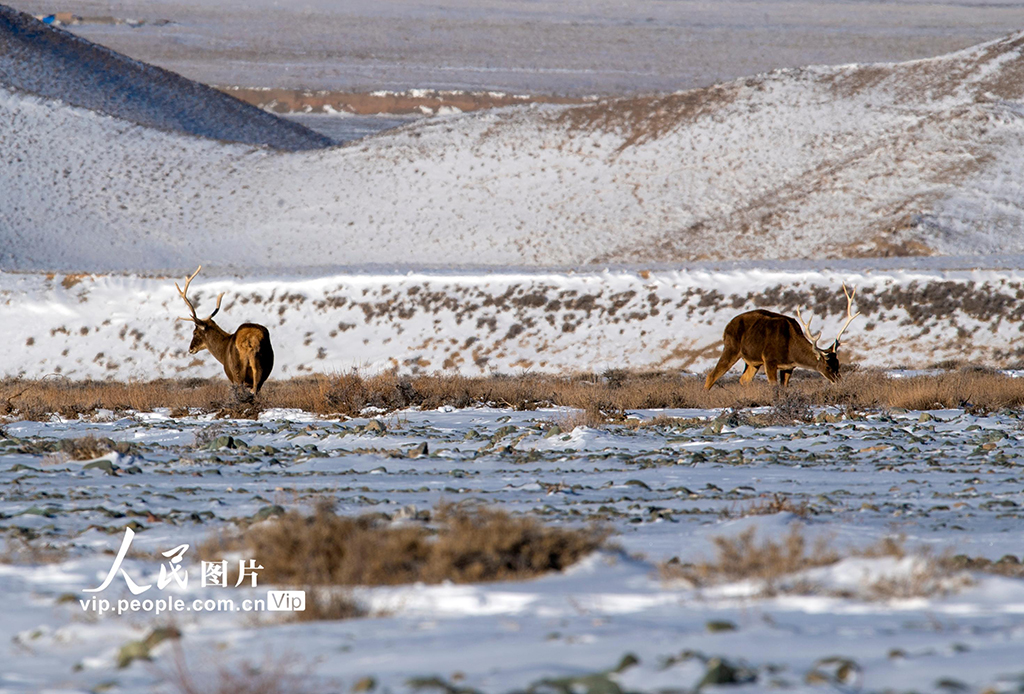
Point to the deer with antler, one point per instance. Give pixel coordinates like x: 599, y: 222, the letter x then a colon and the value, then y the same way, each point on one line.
x: 779, y: 344
x: 246, y: 353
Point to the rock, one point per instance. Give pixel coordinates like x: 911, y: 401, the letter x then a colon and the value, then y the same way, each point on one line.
x: 375, y: 426
x: 554, y: 430
x: 419, y: 451
x: 267, y: 512
x: 139, y: 650
x: 103, y: 464
x: 225, y: 442
x: 503, y: 432
x: 718, y: 672
x: 717, y: 625
x: 628, y: 661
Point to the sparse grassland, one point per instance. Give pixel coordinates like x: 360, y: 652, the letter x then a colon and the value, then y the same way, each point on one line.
x: 600, y: 398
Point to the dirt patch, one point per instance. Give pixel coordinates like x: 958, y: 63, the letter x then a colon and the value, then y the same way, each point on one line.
x: 644, y: 119
x: 362, y: 103
x: 855, y: 81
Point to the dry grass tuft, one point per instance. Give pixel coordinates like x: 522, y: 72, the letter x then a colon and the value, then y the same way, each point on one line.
x: 23, y: 550
x: 741, y: 558
x: 273, y: 675
x: 591, y: 417
x: 328, y: 603
x: 90, y: 447
x: 778, y: 503
x: 773, y: 564
x: 464, y: 546
x: 597, y: 396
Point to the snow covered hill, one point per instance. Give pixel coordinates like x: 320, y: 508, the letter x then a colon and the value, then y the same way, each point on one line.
x: 823, y: 162
x: 55, y: 64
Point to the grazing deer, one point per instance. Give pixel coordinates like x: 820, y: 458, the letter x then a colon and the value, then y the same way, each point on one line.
x: 246, y: 353
x: 779, y: 344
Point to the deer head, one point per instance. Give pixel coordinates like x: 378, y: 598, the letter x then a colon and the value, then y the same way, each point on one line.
x: 204, y: 327
x: 828, y: 359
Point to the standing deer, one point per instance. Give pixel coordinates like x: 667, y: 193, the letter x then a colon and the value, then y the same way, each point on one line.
x: 779, y: 344
x: 246, y: 353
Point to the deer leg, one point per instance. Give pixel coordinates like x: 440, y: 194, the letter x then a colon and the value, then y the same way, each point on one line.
x: 257, y: 374
x: 748, y: 373
x: 785, y: 373
x: 725, y: 362
x: 771, y: 370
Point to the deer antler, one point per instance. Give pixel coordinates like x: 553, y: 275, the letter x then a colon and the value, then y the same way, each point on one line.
x: 219, y: 297
x: 849, y: 316
x: 807, y: 329
x: 184, y: 295
x: 191, y: 308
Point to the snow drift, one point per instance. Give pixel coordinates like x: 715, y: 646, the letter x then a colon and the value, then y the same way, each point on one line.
x: 822, y: 162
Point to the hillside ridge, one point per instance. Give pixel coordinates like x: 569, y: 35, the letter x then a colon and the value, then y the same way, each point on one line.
x: 55, y: 64
x: 855, y: 161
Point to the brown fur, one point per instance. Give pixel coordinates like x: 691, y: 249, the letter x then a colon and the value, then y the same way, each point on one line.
x: 246, y: 353
x: 774, y: 341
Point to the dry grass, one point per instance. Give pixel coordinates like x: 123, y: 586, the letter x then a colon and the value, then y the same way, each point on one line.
x: 773, y: 564
x: 90, y: 447
x: 325, y: 603
x: 742, y: 558
x: 597, y: 396
x: 463, y: 546
x: 24, y: 550
x: 273, y: 675
x: 777, y: 503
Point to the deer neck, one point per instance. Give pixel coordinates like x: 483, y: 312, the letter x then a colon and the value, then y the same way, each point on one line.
x: 217, y: 341
x: 810, y: 356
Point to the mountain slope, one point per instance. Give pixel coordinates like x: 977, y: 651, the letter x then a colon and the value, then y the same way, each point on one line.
x: 53, y: 63
x: 822, y: 162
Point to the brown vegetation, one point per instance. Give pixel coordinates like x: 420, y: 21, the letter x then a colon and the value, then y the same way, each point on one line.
x: 25, y: 549
x: 322, y: 101
x: 463, y: 545
x: 741, y: 558
x: 280, y: 674
x: 600, y: 397
x: 770, y: 563
x: 90, y: 447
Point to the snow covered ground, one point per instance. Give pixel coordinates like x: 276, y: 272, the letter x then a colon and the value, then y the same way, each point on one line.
x: 946, y: 480
x: 126, y: 328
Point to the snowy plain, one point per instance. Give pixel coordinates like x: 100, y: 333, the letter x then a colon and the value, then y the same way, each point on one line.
x: 947, y: 480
